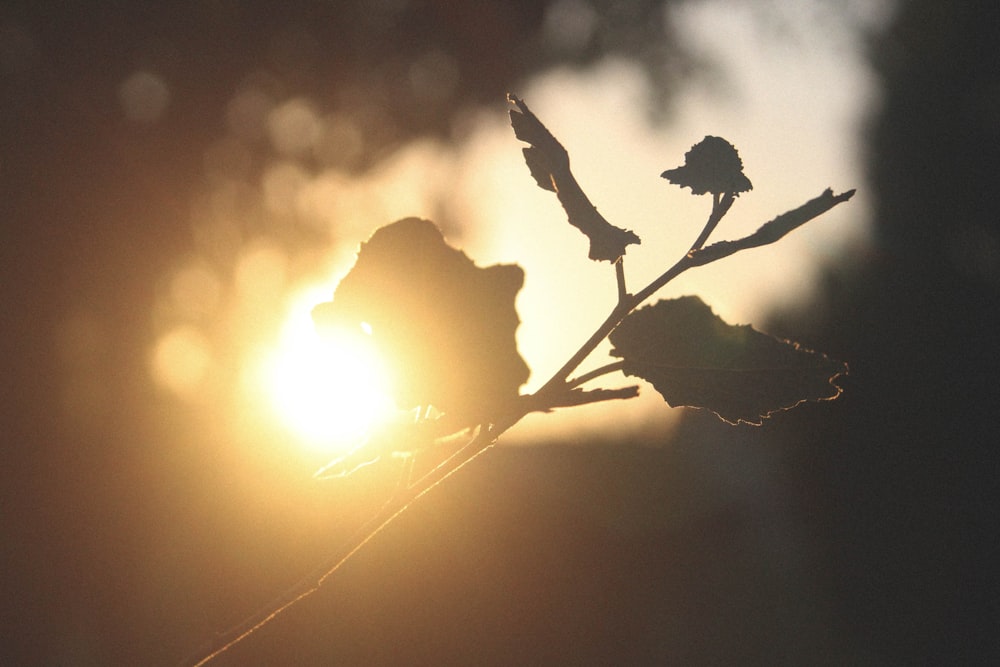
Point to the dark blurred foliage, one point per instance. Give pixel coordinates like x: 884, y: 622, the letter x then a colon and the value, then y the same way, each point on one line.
x: 847, y: 533
x: 901, y: 481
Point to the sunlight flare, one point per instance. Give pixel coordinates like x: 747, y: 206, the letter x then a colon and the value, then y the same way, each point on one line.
x: 329, y: 391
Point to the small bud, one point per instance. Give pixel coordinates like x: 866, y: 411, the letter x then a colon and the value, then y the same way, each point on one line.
x: 712, y: 165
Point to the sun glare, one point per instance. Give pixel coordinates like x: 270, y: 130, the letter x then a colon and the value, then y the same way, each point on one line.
x: 329, y: 391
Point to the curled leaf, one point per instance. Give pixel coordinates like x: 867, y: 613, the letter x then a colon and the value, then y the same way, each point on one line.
x: 712, y: 165
x: 694, y: 358
x: 548, y: 163
x: 444, y: 326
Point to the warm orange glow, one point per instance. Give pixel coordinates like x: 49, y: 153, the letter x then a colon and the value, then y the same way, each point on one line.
x: 181, y: 359
x: 222, y: 308
x: 329, y: 391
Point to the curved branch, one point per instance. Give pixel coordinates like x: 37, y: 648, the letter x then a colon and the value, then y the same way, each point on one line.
x: 613, y: 367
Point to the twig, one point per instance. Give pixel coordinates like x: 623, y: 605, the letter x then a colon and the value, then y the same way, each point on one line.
x: 620, y: 277
x: 721, y: 203
x: 390, y: 510
x: 613, y: 367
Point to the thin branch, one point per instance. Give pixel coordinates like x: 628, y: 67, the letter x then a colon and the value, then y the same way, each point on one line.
x: 390, y: 510
x: 721, y: 203
x: 558, y: 379
x: 620, y: 276
x: 574, y: 397
x: 624, y: 307
x: 682, y: 265
x: 613, y: 367
x: 577, y: 397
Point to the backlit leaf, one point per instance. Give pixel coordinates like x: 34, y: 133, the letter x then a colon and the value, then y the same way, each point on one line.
x: 444, y: 326
x: 693, y: 358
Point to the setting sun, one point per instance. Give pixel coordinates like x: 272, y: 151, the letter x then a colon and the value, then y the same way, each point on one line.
x: 328, y: 391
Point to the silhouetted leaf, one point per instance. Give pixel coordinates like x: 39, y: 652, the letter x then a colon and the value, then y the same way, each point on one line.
x: 712, y: 165
x: 695, y: 359
x: 773, y: 230
x: 444, y: 326
x: 548, y: 162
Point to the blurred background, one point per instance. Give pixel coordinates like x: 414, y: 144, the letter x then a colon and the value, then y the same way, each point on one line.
x: 181, y: 183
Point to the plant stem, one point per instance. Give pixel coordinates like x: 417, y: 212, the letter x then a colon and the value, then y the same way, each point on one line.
x: 395, y: 506
x: 620, y: 276
x: 721, y: 203
x: 682, y: 265
x: 596, y: 373
x: 558, y: 379
x: 624, y: 307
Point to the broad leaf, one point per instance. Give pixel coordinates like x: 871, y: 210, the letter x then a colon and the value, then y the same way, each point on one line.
x: 444, y: 326
x: 548, y: 162
x: 693, y: 358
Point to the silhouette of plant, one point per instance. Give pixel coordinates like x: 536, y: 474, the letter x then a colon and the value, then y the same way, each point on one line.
x: 447, y: 329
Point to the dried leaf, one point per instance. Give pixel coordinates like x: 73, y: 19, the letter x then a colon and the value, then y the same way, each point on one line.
x: 693, y: 358
x: 444, y: 326
x: 548, y: 162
